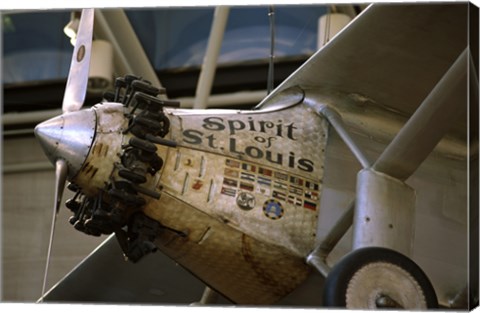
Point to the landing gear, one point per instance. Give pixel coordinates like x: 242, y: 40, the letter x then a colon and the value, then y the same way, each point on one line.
x: 378, y: 278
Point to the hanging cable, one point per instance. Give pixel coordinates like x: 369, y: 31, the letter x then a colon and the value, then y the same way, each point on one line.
x: 326, y: 37
x: 271, y: 16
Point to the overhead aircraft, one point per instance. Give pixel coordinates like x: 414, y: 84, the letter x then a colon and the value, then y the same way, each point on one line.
x: 361, y: 166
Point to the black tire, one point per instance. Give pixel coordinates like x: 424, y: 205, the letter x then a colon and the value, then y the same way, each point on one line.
x: 354, y: 269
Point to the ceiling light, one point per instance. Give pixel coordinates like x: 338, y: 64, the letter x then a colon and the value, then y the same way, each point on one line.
x: 72, y: 27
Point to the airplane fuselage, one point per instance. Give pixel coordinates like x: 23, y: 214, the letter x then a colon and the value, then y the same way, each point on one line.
x: 239, y: 198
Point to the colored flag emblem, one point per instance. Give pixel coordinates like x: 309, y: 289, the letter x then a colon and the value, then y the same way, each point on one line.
x: 246, y: 186
x: 311, y: 195
x: 264, y: 190
x: 232, y: 163
x: 296, y: 180
x: 247, y: 176
x: 249, y: 167
x: 281, y: 176
x: 231, y: 173
x: 264, y: 181
x: 295, y: 190
x: 265, y: 171
x: 309, y: 205
x: 230, y: 182
x: 279, y: 195
x: 280, y: 185
x: 229, y: 192
x: 294, y: 200
x: 311, y: 185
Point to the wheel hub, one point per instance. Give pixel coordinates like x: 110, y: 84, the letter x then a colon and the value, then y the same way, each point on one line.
x: 384, y: 285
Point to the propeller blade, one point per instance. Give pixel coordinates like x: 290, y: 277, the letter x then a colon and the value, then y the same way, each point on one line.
x: 79, y: 68
x: 61, y: 170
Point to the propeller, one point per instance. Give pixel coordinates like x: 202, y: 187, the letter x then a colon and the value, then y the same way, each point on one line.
x: 60, y: 179
x: 64, y: 136
x: 78, y: 77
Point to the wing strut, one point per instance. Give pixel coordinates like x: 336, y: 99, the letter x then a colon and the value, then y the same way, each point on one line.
x: 428, y: 124
x: 412, y: 145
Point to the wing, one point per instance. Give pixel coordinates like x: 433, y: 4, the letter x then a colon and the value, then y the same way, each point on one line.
x: 391, y: 53
x: 395, y: 55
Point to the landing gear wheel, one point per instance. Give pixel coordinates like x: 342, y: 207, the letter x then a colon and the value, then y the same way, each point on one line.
x: 378, y: 278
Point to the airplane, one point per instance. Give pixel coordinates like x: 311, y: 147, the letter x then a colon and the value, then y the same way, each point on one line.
x: 361, y: 166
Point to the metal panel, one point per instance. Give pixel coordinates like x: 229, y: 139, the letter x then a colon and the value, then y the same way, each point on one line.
x: 242, y: 268
x: 384, y: 213
x: 276, y: 159
x: 244, y: 188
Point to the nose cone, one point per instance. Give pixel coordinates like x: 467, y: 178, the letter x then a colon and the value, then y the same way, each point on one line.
x: 69, y: 137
